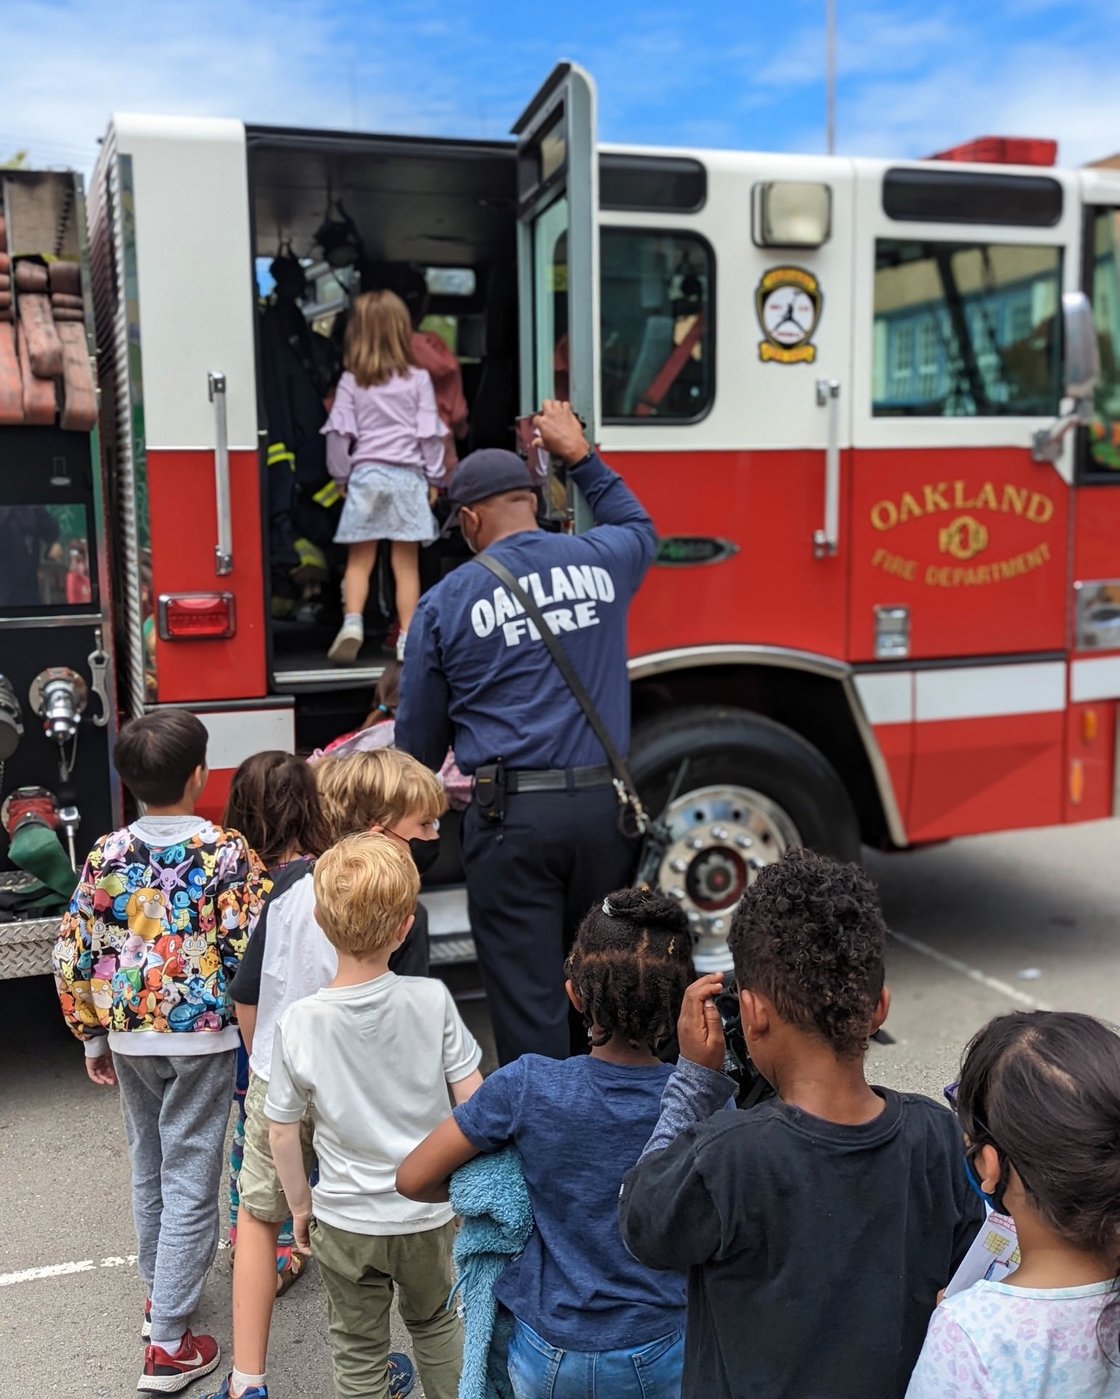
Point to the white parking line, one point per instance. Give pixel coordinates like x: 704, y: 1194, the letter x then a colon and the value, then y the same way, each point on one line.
x: 56, y: 1270
x: 993, y: 983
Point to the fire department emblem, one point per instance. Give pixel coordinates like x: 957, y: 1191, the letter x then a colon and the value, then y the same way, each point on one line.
x: 964, y: 538
x: 788, y: 301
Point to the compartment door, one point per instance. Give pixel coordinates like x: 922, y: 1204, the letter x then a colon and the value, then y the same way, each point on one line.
x: 558, y: 251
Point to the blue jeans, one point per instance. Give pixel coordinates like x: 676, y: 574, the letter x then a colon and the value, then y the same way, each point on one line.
x: 540, y: 1371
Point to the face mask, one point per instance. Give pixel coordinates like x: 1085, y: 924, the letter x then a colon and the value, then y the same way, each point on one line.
x: 996, y: 1198
x: 424, y: 853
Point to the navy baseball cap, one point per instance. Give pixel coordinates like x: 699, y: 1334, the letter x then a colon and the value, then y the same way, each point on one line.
x: 484, y: 473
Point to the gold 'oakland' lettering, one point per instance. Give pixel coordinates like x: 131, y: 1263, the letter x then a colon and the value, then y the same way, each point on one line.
x: 942, y: 496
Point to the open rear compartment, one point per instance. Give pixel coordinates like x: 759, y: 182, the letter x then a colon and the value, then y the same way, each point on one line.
x: 334, y: 215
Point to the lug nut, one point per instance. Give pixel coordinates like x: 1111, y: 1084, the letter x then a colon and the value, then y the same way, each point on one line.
x: 744, y: 841
x: 719, y: 832
x: 695, y: 842
x: 678, y: 866
x: 676, y: 892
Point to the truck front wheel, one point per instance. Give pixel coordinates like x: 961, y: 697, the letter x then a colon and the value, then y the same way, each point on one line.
x: 747, y: 790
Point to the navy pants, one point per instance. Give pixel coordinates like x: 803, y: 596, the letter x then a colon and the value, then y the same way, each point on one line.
x: 530, y: 880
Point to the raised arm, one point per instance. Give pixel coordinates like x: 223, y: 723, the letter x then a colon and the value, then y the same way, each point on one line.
x: 609, y: 498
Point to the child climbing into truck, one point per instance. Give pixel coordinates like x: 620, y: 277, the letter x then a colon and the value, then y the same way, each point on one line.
x: 385, y: 448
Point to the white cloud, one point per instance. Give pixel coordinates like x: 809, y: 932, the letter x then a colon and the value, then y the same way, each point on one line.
x: 910, y: 80
x: 870, y: 41
x: 1030, y: 91
x: 289, y: 63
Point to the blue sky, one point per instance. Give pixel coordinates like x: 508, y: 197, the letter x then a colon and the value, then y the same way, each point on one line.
x: 913, y: 77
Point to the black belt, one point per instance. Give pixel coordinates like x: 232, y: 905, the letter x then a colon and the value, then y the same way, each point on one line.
x: 558, y: 779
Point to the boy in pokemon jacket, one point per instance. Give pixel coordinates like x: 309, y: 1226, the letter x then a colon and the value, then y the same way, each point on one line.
x: 154, y: 932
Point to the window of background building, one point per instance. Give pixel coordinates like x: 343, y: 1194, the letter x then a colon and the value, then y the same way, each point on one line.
x: 657, y: 328
x: 966, y: 329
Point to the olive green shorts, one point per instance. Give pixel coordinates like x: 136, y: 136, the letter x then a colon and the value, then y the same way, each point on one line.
x: 259, y: 1184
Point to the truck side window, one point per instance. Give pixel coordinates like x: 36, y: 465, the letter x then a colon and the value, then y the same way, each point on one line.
x: 1099, y: 456
x: 657, y: 324
x: 966, y: 329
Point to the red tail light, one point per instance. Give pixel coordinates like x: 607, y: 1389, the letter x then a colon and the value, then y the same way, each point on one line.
x: 196, y: 616
x: 1003, y: 150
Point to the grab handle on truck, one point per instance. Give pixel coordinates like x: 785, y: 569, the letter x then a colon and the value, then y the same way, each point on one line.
x: 826, y: 541
x: 223, y: 551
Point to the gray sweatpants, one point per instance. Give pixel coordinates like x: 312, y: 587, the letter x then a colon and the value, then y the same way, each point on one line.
x: 176, y: 1110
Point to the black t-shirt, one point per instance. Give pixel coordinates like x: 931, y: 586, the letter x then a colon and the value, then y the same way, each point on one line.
x: 815, y: 1251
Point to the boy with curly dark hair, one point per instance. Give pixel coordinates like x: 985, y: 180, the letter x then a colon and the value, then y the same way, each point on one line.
x: 818, y: 1227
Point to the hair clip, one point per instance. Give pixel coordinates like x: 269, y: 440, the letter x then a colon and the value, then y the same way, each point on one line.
x: 607, y: 907
x: 671, y: 949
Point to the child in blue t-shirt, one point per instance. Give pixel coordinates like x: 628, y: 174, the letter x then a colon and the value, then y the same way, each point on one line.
x: 589, y: 1320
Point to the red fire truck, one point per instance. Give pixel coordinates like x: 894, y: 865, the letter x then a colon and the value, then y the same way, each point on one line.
x: 869, y: 404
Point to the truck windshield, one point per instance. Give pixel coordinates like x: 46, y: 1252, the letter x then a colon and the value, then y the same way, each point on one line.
x: 965, y: 329
x: 1104, y: 290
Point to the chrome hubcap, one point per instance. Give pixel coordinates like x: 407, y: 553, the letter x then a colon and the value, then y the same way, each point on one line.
x: 721, y: 837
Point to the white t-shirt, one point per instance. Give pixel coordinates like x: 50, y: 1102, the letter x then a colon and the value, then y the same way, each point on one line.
x: 999, y: 1341
x: 371, y: 1063
x: 298, y: 960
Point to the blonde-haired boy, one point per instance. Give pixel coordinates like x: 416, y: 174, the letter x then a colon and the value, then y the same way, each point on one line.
x: 383, y: 788
x: 289, y: 957
x: 370, y: 1058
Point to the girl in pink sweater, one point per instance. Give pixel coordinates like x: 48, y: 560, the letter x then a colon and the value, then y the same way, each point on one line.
x: 385, y: 449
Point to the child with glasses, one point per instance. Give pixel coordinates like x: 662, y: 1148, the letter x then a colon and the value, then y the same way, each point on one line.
x: 289, y: 957
x: 1039, y: 1102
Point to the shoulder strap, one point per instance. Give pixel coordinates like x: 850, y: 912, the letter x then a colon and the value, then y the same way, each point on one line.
x: 563, y: 665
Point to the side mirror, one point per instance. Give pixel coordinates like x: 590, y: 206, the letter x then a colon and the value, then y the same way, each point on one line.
x: 1082, y: 357
x: 1081, y: 374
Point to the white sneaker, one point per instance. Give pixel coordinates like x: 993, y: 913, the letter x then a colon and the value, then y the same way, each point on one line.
x: 402, y: 637
x: 346, y: 645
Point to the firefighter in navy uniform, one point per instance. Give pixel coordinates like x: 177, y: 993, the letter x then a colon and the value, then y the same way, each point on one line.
x: 543, y: 840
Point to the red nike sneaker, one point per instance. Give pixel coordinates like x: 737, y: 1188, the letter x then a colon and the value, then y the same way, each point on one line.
x: 166, y: 1373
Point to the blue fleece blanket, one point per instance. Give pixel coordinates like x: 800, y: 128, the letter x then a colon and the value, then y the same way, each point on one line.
x: 489, y: 1194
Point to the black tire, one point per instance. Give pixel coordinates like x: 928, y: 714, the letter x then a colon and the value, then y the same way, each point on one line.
x: 733, y: 747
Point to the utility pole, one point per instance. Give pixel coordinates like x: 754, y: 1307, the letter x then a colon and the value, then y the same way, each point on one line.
x: 831, y: 73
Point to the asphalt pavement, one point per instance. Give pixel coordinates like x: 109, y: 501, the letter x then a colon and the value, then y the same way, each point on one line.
x: 980, y: 927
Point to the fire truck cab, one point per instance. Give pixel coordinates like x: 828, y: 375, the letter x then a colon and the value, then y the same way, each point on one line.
x: 873, y: 408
